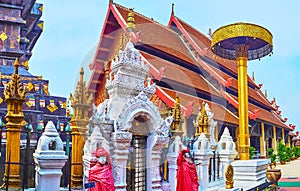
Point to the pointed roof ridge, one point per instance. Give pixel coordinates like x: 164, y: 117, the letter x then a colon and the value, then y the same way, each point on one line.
x: 145, y: 17
x: 181, y: 20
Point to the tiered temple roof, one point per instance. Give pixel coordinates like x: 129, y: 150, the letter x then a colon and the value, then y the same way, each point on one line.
x: 180, y: 62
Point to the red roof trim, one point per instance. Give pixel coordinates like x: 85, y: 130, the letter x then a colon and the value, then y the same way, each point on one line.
x: 252, y: 115
x: 226, y: 83
x: 188, y: 110
x: 98, y: 48
x: 119, y: 17
x: 187, y: 36
x: 157, y: 74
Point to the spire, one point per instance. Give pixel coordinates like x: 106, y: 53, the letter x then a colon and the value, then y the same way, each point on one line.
x: 16, y: 65
x: 130, y: 20
x: 201, y: 122
x: 176, y: 115
x: 81, y: 74
x: 172, y: 13
x: 14, y: 88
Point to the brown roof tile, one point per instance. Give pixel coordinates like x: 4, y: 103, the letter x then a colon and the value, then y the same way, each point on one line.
x: 220, y: 112
x: 182, y: 75
x: 158, y: 36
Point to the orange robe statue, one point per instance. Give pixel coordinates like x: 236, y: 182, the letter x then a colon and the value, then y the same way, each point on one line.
x: 101, y: 173
x: 186, y: 174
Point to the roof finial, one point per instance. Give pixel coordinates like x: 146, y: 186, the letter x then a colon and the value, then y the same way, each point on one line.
x: 111, y: 1
x: 130, y: 20
x: 81, y: 74
x: 172, y: 9
x: 253, y: 78
x: 266, y: 93
x: 16, y: 65
x: 209, y: 33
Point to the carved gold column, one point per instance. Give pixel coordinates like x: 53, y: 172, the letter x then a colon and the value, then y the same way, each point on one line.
x: 242, y: 42
x: 81, y: 103
x: 14, y: 97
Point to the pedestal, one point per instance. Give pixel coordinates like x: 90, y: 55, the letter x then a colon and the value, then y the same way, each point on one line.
x: 48, y: 173
x: 249, y: 173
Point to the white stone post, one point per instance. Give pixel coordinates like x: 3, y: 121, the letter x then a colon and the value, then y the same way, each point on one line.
x: 121, y: 142
x: 227, y: 150
x: 172, y: 161
x: 49, y: 158
x: 202, y: 154
x: 161, y: 142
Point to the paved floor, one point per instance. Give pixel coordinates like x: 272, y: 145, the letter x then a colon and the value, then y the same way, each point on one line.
x: 290, y: 176
x: 290, y: 169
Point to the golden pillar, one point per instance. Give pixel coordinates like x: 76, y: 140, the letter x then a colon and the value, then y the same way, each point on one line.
x: 244, y: 137
x: 289, y: 142
x: 81, y: 103
x: 283, y: 138
x: 14, y: 97
x: 262, y: 141
x: 242, y: 42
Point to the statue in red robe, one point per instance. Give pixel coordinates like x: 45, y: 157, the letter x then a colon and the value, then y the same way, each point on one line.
x: 187, y: 178
x: 101, y: 173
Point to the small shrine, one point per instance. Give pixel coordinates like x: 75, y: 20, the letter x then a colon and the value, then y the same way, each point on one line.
x: 131, y: 124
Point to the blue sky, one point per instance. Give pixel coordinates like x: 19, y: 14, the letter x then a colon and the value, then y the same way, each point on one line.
x: 72, y: 30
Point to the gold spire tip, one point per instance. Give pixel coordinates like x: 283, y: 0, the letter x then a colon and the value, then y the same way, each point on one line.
x: 81, y: 74
x: 16, y: 65
x: 130, y: 19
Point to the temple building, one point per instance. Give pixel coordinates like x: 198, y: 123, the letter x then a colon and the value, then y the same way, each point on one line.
x: 20, y: 28
x: 188, y: 73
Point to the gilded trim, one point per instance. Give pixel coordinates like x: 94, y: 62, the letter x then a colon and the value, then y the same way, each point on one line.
x: 239, y: 30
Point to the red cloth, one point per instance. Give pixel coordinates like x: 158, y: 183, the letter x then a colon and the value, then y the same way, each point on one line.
x: 102, y: 174
x: 186, y: 174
